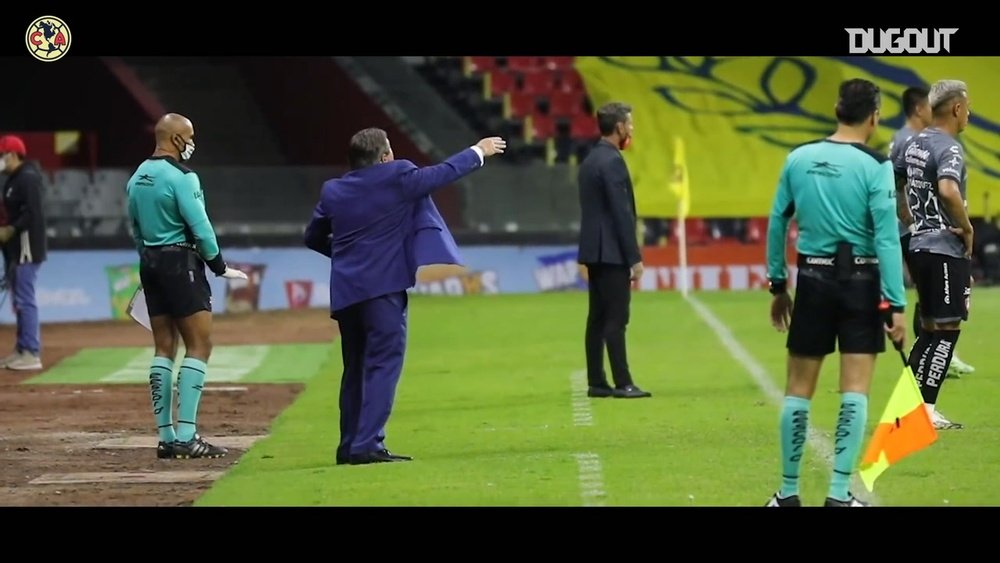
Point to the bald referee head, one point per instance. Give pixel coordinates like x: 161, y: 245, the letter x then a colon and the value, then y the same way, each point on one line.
x: 174, y: 137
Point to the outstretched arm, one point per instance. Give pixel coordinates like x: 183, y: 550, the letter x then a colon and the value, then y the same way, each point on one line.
x: 419, y: 182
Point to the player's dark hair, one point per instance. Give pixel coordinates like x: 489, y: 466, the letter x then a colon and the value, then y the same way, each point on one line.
x: 859, y: 98
x: 913, y: 97
x: 367, y: 147
x: 611, y: 114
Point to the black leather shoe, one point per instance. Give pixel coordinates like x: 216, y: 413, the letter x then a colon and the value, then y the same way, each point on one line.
x: 631, y: 392
x: 378, y: 456
x: 600, y: 392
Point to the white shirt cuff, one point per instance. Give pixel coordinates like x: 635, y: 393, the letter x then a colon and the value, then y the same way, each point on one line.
x: 482, y: 156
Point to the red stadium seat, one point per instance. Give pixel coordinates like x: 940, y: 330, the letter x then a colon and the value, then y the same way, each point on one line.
x: 565, y: 104
x: 478, y: 65
x: 500, y: 82
x: 571, y: 81
x: 520, y: 104
x: 524, y: 63
x: 558, y: 63
x: 539, y: 127
x: 539, y: 81
x: 584, y: 126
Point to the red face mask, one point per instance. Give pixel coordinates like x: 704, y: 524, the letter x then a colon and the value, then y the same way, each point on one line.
x: 625, y: 141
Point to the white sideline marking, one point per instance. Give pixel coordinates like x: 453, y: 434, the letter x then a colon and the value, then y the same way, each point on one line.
x: 582, y: 415
x: 820, y: 443
x: 591, y: 479
x: 589, y: 472
x: 228, y: 364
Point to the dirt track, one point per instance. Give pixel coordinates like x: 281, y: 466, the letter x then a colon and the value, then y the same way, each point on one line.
x: 53, y: 429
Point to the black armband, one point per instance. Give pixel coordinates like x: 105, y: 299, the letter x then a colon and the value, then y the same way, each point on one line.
x: 897, y: 309
x: 777, y: 287
x: 217, y: 265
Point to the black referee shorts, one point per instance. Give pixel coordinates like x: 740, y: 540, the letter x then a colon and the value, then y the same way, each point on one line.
x: 174, y: 281
x: 828, y: 312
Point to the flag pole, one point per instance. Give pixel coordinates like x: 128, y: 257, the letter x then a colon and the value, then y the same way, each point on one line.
x: 682, y: 247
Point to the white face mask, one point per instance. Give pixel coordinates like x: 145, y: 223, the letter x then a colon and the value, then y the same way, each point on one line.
x: 188, y: 150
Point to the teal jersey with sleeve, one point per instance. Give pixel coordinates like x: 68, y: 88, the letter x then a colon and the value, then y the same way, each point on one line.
x: 167, y: 206
x: 838, y: 192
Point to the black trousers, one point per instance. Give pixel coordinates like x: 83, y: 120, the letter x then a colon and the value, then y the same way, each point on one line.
x: 610, y: 297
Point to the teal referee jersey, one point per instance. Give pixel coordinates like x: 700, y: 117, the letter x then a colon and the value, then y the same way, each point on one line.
x: 838, y: 192
x: 167, y: 207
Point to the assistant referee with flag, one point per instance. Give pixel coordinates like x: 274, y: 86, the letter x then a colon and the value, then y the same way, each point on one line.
x: 842, y: 193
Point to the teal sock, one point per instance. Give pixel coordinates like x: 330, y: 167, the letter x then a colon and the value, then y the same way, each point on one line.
x: 189, y: 383
x: 794, y: 426
x: 850, y: 434
x: 161, y: 390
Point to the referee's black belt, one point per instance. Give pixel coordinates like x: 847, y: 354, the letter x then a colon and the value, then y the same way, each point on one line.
x: 174, y: 246
x: 805, y: 261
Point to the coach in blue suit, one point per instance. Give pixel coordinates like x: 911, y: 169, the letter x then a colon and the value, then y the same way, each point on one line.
x: 378, y: 224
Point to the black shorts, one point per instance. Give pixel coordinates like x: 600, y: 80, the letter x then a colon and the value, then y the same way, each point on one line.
x: 943, y: 286
x: 828, y: 312
x: 174, y: 281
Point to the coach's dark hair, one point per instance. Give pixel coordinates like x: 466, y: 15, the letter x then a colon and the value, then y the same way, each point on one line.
x: 913, y: 97
x: 367, y: 147
x: 611, y: 114
x: 859, y: 98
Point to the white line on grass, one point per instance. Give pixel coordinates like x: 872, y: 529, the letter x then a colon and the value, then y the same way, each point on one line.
x: 582, y: 416
x: 820, y: 443
x: 589, y: 472
x: 591, y: 479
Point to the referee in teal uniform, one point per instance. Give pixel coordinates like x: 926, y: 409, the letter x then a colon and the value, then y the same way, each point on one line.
x: 842, y: 193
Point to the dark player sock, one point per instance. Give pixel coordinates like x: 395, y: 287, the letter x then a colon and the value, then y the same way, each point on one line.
x: 918, y: 356
x: 794, y: 427
x: 850, y: 434
x: 161, y: 388
x: 939, y: 356
x: 190, y: 381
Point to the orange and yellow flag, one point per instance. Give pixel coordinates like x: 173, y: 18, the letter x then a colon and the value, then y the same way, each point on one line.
x: 905, y: 428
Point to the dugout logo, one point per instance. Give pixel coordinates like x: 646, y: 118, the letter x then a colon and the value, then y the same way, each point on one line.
x: 48, y: 39
x: 895, y: 40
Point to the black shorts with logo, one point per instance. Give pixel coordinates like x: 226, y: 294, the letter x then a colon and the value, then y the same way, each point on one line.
x: 943, y: 286
x: 828, y: 311
x: 174, y: 281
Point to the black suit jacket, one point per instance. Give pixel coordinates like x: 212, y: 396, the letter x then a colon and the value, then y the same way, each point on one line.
x: 607, y: 208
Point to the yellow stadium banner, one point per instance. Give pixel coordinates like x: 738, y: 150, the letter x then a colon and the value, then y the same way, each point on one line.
x: 739, y: 117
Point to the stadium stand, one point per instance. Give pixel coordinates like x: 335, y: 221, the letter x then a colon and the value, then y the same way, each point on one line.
x: 541, y: 101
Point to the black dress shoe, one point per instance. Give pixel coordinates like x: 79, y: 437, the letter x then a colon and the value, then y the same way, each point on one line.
x: 378, y: 456
x: 631, y: 392
x: 600, y: 392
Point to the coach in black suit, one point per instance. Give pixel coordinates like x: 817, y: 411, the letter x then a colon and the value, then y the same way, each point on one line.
x: 610, y: 250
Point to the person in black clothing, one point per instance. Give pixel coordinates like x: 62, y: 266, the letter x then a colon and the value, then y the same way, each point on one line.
x: 609, y: 249
x: 24, y: 249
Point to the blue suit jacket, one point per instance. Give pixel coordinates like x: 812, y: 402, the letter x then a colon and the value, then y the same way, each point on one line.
x: 378, y: 225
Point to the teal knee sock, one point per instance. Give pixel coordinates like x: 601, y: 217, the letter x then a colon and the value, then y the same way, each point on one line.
x: 850, y: 434
x: 189, y: 383
x: 794, y: 425
x: 161, y: 390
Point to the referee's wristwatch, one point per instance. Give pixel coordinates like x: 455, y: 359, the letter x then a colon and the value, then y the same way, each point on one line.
x: 777, y: 287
